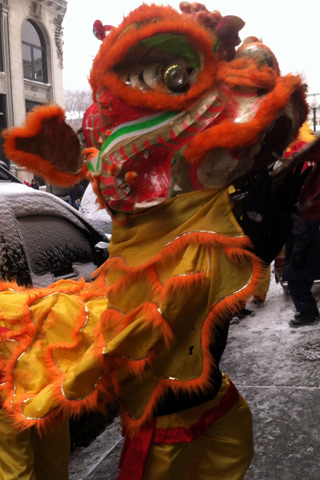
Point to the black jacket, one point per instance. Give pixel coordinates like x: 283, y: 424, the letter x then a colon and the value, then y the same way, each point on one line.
x: 303, y: 251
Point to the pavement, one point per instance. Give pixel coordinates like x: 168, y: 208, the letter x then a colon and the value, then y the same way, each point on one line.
x: 277, y: 370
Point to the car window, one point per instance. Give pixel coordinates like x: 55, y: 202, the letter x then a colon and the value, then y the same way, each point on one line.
x: 53, y: 244
x: 13, y: 262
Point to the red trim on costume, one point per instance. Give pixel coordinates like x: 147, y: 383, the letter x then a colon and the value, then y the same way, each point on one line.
x: 182, y: 434
x: 135, y: 451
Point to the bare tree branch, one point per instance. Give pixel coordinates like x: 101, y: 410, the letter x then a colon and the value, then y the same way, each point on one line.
x: 76, y: 103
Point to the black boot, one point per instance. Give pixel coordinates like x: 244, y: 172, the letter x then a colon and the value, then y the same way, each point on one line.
x: 301, y: 319
x: 245, y: 312
x: 314, y: 313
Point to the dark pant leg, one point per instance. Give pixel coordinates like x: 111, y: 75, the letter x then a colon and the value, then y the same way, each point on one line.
x: 301, y: 295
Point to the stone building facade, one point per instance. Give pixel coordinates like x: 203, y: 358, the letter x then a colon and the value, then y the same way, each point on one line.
x: 31, y: 57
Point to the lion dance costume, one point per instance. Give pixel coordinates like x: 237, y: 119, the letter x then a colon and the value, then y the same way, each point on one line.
x: 180, y: 113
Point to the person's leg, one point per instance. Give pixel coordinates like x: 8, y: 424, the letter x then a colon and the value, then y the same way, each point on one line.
x: 304, y: 302
x: 302, y: 297
x: 16, y: 453
x: 51, y: 452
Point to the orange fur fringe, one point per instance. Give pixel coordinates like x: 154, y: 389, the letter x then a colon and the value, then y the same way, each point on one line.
x: 244, y: 73
x: 107, y: 387
x: 236, y: 251
x: 129, y: 34
x: 233, y: 136
x: 32, y: 161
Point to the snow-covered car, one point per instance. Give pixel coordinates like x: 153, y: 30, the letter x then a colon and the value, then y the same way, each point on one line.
x: 43, y: 239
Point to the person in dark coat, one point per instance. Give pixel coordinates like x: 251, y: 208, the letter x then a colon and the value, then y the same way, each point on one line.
x: 265, y: 212
x: 302, y: 268
x: 75, y: 195
x: 35, y: 184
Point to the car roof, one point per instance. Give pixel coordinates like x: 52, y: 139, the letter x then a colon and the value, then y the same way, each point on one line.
x: 24, y: 201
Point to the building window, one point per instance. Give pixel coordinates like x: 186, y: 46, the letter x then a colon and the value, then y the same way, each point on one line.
x: 30, y: 105
x: 3, y: 125
x: 34, y: 53
x: 1, y: 47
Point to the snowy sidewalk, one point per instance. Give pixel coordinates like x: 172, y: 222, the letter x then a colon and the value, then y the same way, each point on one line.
x: 277, y: 370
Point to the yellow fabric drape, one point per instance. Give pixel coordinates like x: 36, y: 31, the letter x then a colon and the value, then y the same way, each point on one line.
x: 173, y: 273
x: 28, y: 456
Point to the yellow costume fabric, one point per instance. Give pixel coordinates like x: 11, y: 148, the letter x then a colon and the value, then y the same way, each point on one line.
x: 129, y: 334
x: 28, y: 456
x: 228, y: 445
x: 263, y: 286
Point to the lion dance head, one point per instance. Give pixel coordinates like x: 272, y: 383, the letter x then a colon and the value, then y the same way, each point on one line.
x: 179, y: 105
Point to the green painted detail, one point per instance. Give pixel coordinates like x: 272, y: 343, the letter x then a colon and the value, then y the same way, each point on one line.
x: 90, y: 167
x: 170, y: 43
x: 93, y: 165
x: 153, y: 122
x: 98, y: 162
x: 216, y: 46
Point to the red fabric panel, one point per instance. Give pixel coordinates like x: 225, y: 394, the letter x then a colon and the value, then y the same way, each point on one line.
x: 181, y: 434
x: 135, y: 453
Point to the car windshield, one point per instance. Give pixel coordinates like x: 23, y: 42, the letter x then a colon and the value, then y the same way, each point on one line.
x: 53, y: 244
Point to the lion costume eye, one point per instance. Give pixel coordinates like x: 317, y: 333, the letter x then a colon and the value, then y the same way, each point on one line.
x: 175, y: 77
x: 158, y: 59
x: 166, y: 63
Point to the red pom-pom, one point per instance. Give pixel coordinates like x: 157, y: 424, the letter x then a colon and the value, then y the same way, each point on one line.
x: 99, y: 30
x: 131, y: 178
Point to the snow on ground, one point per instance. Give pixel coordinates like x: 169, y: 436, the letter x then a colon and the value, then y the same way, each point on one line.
x: 277, y: 370
x: 266, y: 335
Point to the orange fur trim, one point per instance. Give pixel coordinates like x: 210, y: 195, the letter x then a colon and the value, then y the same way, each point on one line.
x: 176, y: 284
x: 89, y: 153
x: 244, y: 72
x: 205, y: 239
x: 26, y: 336
x: 232, y: 136
x: 140, y: 14
x: 4, y: 285
x: 79, y: 324
x: 215, y: 316
x: 117, y: 44
x: 33, y: 161
x: 236, y: 250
